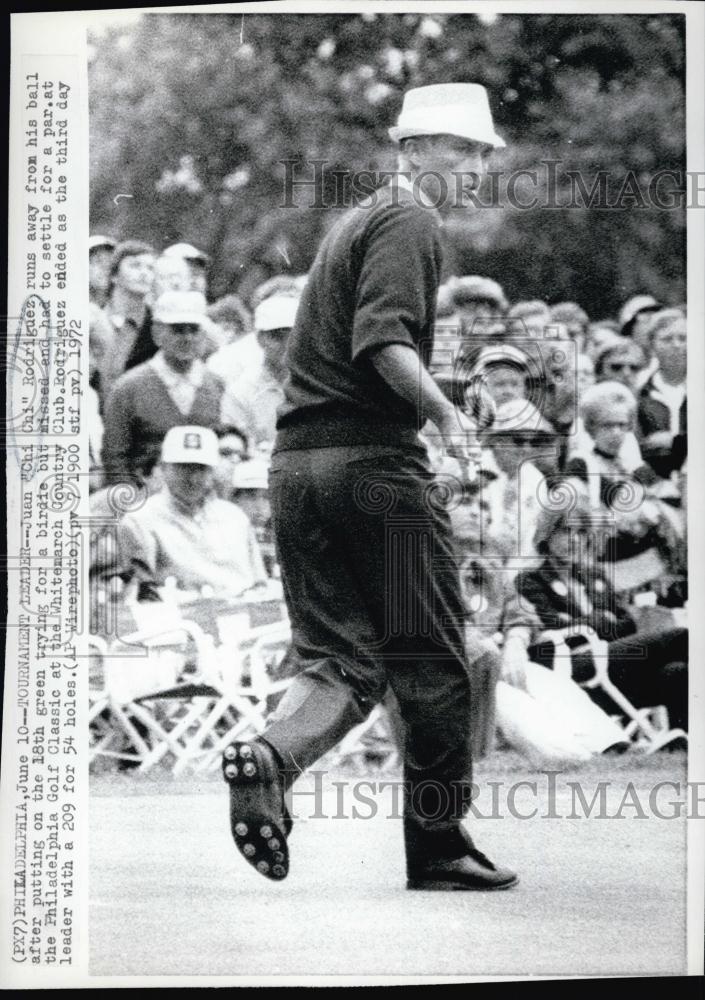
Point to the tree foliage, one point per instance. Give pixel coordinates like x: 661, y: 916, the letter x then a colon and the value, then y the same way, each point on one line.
x: 192, y: 115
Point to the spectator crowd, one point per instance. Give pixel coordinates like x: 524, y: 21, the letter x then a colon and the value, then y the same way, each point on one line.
x: 570, y: 528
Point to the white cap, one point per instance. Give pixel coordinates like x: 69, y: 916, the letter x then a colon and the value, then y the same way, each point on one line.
x: 180, y: 307
x: 461, y: 109
x: 101, y: 242
x: 186, y: 252
x: 278, y: 312
x: 251, y: 475
x: 191, y: 445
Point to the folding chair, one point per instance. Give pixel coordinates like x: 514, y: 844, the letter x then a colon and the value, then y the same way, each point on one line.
x: 101, y: 731
x: 183, y: 707
x: 640, y: 728
x: 112, y: 732
x: 260, y: 652
x: 191, y: 709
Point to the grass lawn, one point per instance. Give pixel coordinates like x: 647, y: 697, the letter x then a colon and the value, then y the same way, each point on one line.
x: 602, y: 894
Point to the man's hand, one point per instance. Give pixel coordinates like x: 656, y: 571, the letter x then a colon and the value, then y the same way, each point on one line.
x: 459, y: 433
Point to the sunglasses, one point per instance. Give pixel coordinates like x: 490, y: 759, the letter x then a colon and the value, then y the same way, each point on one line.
x: 181, y: 329
x: 231, y: 453
x: 523, y: 440
x: 619, y: 367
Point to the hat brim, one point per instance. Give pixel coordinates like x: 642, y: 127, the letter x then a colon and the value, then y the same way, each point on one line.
x: 179, y: 319
x: 190, y: 460
x: 100, y: 244
x: 397, y: 133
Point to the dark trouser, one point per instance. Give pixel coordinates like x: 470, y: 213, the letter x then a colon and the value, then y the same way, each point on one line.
x: 650, y: 668
x: 372, y: 590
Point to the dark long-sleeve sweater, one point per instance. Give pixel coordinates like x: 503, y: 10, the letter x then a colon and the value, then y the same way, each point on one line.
x: 373, y: 283
x: 141, y: 411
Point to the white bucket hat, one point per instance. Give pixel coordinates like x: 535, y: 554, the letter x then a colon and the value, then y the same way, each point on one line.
x: 461, y: 109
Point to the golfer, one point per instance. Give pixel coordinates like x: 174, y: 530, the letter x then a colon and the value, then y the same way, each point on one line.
x: 365, y: 552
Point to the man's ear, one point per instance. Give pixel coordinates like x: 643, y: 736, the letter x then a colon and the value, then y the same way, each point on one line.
x: 260, y: 338
x: 410, y: 149
x: 158, y: 333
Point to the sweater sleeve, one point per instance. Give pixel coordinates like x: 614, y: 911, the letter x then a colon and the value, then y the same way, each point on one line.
x: 398, y: 281
x: 117, y: 434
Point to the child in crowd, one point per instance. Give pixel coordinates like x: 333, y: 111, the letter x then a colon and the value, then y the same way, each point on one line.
x: 573, y: 600
x: 617, y: 481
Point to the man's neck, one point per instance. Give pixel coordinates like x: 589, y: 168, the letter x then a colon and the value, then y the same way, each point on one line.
x: 277, y: 375
x: 124, y: 303
x: 178, y: 367
x: 406, y: 178
x: 189, y: 507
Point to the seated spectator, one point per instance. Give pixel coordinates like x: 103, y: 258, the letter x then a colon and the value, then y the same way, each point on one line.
x: 232, y: 450
x: 629, y: 491
x: 100, y: 253
x: 171, y: 387
x: 196, y: 263
x: 530, y: 320
x: 481, y: 306
x: 187, y: 533
x: 471, y: 518
x: 251, y: 494
x: 464, y: 499
x: 595, y: 406
x: 519, y: 438
x: 542, y: 715
x: 251, y: 401
x: 663, y: 405
x: 575, y: 319
x: 493, y: 612
x: 245, y: 354
x: 131, y: 343
x: 107, y: 506
x: 620, y: 362
x: 504, y: 370
x: 568, y: 592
